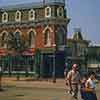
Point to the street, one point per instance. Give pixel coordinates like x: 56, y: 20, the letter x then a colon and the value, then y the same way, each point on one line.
x: 31, y: 90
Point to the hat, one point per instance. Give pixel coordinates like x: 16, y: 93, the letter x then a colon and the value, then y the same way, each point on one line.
x: 74, y: 66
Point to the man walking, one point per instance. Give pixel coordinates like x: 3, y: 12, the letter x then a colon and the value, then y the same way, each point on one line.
x: 73, y: 79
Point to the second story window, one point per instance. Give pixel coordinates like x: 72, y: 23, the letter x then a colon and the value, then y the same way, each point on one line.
x: 5, y: 17
x: 60, y: 12
x: 47, y: 12
x: 18, y: 16
x: 31, y: 15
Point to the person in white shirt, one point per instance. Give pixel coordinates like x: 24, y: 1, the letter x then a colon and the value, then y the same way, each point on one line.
x: 90, y: 85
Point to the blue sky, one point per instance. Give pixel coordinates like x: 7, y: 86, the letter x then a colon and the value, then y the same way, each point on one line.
x: 83, y: 13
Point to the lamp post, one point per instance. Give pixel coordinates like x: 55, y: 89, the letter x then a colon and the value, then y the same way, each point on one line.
x: 54, y: 65
x: 86, y: 59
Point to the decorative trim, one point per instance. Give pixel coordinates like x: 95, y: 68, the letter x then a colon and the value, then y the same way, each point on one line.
x: 5, y: 17
x: 60, y: 10
x: 16, y: 15
x: 17, y: 30
x: 49, y: 41
x: 5, y: 45
x: 34, y: 34
x: 49, y: 28
x: 4, y: 31
x: 31, y: 13
x: 48, y: 12
x: 33, y: 30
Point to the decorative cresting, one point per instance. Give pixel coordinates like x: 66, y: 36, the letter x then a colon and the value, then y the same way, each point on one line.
x: 3, y: 39
x: 47, y: 36
x: 31, y: 38
x: 5, y: 17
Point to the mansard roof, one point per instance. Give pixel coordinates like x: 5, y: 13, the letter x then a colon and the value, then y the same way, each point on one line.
x: 32, y: 5
x: 77, y: 36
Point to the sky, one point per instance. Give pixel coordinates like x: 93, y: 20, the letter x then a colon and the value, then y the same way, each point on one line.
x: 84, y: 14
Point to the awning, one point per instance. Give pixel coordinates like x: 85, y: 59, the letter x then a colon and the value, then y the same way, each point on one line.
x: 3, y: 52
x: 28, y: 52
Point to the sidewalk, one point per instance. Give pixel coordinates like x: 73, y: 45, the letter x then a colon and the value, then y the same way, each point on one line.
x: 29, y: 83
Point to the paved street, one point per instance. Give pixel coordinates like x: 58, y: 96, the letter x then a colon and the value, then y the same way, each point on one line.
x: 35, y: 90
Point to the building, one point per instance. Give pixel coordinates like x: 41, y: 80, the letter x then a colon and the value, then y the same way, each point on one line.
x: 81, y: 52
x: 28, y: 28
x: 94, y: 58
x: 77, y: 48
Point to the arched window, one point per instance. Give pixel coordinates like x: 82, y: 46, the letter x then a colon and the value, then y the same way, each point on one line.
x: 17, y: 39
x: 60, y: 36
x: 31, y: 15
x: 47, y: 40
x: 47, y: 12
x: 5, y: 17
x: 4, y: 39
x: 60, y: 12
x: 18, y: 16
x: 31, y: 39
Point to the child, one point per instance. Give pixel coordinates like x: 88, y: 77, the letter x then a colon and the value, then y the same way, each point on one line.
x: 90, y: 87
x: 82, y: 88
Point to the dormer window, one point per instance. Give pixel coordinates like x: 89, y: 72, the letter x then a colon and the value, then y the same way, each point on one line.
x: 60, y: 12
x: 18, y: 16
x: 47, y: 12
x: 5, y: 17
x: 31, y: 15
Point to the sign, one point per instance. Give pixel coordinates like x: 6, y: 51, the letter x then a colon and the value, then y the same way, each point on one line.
x: 61, y: 47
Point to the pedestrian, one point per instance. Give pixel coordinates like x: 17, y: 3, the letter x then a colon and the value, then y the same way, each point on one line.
x: 73, y: 78
x: 82, y: 87
x: 90, y: 87
x: 65, y: 76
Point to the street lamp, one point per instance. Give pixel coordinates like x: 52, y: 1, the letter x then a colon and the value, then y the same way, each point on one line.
x: 86, y: 59
x: 54, y: 65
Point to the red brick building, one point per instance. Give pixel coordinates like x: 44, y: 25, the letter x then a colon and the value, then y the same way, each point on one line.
x: 41, y: 25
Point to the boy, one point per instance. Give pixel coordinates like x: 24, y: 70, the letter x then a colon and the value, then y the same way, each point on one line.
x: 90, y: 87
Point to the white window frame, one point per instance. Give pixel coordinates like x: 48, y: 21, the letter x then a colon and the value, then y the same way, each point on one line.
x: 5, y: 20
x: 49, y: 15
x: 58, y: 12
x: 19, y: 19
x: 5, y: 45
x: 33, y: 12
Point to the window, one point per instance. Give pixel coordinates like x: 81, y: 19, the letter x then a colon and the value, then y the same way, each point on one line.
x: 47, y: 12
x: 60, y: 12
x: 5, y: 17
x: 4, y: 39
x: 18, y: 16
x: 31, y: 15
x: 47, y: 41
x: 31, y: 39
